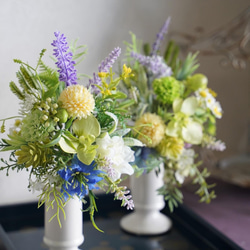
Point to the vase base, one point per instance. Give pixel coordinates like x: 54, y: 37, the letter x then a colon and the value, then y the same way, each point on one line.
x: 62, y: 245
x: 149, y: 223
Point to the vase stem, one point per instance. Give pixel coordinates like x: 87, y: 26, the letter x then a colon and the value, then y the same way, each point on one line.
x: 147, y: 218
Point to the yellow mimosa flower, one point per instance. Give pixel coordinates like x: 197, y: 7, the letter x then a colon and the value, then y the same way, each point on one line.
x: 126, y: 71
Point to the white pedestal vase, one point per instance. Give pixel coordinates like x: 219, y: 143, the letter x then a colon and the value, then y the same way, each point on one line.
x: 70, y: 235
x: 147, y: 218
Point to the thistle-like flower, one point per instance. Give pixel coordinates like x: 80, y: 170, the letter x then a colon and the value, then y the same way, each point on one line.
x: 65, y: 63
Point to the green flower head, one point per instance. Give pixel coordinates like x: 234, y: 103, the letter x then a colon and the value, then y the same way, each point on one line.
x: 33, y: 155
x: 167, y: 89
x: 35, y: 126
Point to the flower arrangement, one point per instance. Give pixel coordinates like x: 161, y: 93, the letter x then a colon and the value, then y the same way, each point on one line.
x: 72, y: 139
x: 174, y: 114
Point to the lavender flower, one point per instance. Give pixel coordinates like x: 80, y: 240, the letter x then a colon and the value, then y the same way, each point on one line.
x: 67, y: 71
x: 104, y: 67
x: 110, y: 60
x: 160, y: 37
x: 106, y: 165
x: 217, y: 145
x: 123, y: 195
x: 154, y: 64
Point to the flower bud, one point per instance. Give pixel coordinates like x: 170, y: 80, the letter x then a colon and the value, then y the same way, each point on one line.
x: 62, y: 114
x: 197, y: 81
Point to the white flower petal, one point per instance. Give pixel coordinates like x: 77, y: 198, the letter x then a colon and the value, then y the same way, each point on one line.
x: 177, y: 105
x: 189, y: 106
x: 114, y: 149
x: 192, y: 133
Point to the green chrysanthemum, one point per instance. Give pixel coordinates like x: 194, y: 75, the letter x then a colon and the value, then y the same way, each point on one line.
x: 167, y: 89
x: 170, y: 147
x: 32, y: 155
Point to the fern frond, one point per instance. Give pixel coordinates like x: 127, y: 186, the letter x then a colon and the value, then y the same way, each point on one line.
x: 134, y: 46
x: 15, y: 90
x: 42, y: 54
x: 78, y: 56
x: 22, y: 82
x: 47, y: 75
x: 29, y: 78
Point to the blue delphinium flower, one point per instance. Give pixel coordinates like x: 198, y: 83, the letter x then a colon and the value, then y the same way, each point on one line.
x: 65, y: 63
x: 154, y: 64
x: 105, y: 65
x: 79, y: 178
x: 160, y: 37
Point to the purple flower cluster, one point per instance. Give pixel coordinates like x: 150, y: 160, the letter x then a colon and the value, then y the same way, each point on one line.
x: 154, y: 64
x: 125, y: 197
x: 160, y: 37
x: 104, y: 67
x: 67, y: 71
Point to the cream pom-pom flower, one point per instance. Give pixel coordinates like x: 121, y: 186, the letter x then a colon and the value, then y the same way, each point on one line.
x: 152, y: 129
x: 77, y: 100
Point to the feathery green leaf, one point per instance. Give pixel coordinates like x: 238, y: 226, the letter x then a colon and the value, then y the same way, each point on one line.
x: 15, y: 90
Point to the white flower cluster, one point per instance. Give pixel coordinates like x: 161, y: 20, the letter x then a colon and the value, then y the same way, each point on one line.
x: 207, y: 99
x: 115, y: 150
x: 186, y: 160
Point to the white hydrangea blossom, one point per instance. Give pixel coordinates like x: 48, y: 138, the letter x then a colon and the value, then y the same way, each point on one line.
x: 114, y: 149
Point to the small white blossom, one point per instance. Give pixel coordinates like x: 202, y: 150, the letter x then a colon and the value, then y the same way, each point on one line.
x: 185, y: 162
x: 206, y: 99
x: 28, y: 102
x: 36, y: 185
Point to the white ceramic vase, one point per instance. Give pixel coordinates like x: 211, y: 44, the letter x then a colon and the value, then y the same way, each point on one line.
x: 70, y: 235
x: 147, y: 218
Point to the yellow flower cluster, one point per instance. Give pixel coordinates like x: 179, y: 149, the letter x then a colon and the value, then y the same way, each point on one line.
x: 170, y: 147
x: 153, y: 134
x: 126, y: 71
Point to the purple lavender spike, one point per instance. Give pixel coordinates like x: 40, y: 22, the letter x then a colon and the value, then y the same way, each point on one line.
x: 160, y: 36
x: 154, y: 64
x: 67, y: 71
x: 104, y: 67
x: 110, y: 60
